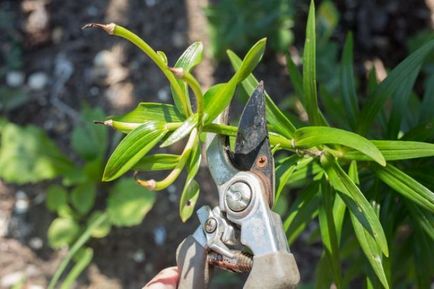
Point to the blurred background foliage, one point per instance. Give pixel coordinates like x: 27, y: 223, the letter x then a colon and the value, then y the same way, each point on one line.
x: 55, y: 80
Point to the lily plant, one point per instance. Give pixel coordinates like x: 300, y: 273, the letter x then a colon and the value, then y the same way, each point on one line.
x: 332, y: 165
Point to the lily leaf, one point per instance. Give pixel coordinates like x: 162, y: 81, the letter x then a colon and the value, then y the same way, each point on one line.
x: 393, y: 83
x: 251, y: 60
x: 190, y: 193
x: 275, y: 117
x: 318, y: 135
x: 329, y: 233
x: 181, y: 131
x: 133, y: 148
x: 348, y: 87
x: 157, y: 162
x: 149, y: 111
x: 309, y: 70
x: 302, y: 212
x: 371, y: 250
x: 406, y: 186
x: 355, y: 201
x: 191, y: 57
x: 395, y: 150
x: 218, y: 97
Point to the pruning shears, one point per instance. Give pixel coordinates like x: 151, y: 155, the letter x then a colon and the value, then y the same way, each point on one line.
x: 242, y: 233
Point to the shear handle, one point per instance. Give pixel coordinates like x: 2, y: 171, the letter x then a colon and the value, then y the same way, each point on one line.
x: 192, y: 262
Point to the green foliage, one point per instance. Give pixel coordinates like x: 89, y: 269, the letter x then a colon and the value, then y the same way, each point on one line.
x: 236, y: 24
x: 128, y: 203
x: 346, y: 182
x: 27, y: 155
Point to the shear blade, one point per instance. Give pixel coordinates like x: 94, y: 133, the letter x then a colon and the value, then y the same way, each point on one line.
x: 252, y: 130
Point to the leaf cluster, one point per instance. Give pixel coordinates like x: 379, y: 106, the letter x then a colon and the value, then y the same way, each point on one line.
x: 347, y: 176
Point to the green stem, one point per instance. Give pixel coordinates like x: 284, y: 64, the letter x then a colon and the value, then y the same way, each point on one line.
x: 153, y: 185
x: 195, y: 87
x: 117, y: 30
x: 275, y: 138
x: 77, y: 245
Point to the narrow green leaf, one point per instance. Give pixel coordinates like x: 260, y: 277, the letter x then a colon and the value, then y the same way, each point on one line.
x: 371, y: 250
x: 423, y: 218
x: 278, y: 121
x: 302, y: 212
x: 366, y: 241
x: 406, y: 186
x: 84, y: 237
x: 157, y: 162
x: 309, y: 70
x: 133, y: 148
x: 190, y: 193
x: 328, y: 233
x: 191, y: 57
x: 182, y: 131
x: 317, y: 135
x: 296, y: 78
x: 128, y: 203
x: 189, y: 197
x: 347, y: 82
x: 306, y: 170
x: 218, y: 97
x: 163, y: 56
x: 400, y: 100
x: 283, y: 173
x: 149, y: 111
x: 395, y: 150
x: 251, y: 60
x: 339, y: 210
x: 426, y: 107
x: 356, y: 202
x: 82, y: 260
x: 393, y: 83
x: 83, y: 197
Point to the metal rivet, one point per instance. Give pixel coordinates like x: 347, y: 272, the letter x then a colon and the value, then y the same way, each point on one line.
x: 210, y: 225
x: 261, y: 161
x: 238, y: 196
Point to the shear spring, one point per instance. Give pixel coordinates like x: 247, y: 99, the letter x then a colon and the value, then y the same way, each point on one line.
x: 241, y: 262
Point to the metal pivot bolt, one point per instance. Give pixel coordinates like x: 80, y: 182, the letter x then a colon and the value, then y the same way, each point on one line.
x: 238, y: 196
x: 210, y: 225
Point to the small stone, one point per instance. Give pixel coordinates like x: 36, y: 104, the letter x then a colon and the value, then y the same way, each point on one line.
x: 14, y: 78
x: 35, y: 286
x: 160, y: 235
x: 36, y: 243
x: 37, y: 81
x: 11, y: 279
x: 21, y: 203
x: 139, y: 256
x: 178, y: 39
x: 163, y: 94
x: 151, y: 3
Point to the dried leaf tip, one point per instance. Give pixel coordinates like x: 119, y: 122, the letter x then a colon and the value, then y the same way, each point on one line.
x: 106, y: 122
x: 177, y: 71
x: 109, y: 28
x: 150, y: 184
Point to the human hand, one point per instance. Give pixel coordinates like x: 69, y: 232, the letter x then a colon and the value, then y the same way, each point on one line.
x: 166, y: 279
